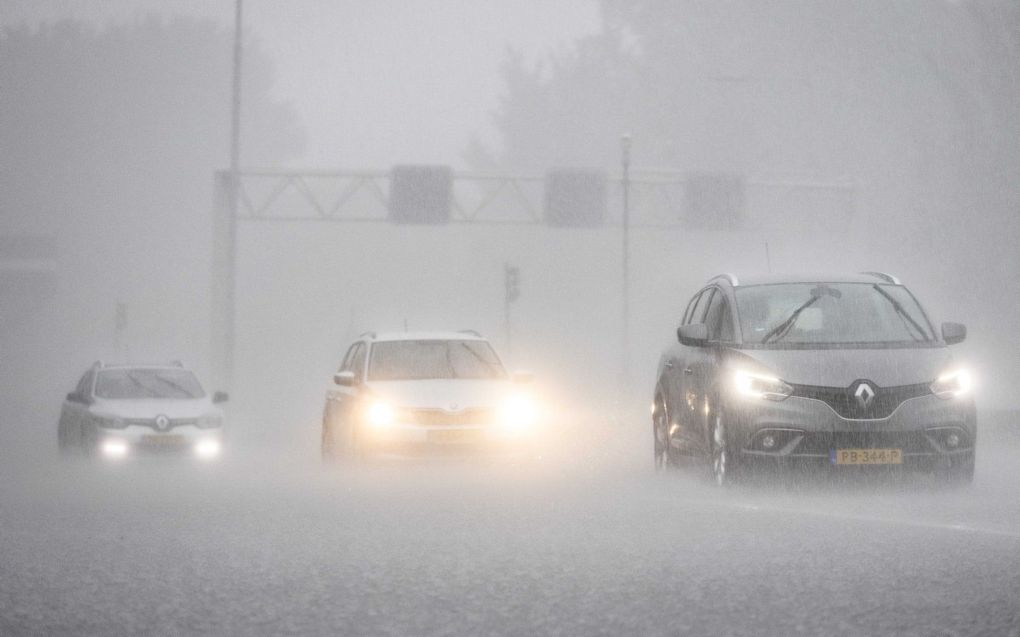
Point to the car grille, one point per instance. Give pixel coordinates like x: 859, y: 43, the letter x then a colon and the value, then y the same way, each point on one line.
x: 843, y: 402
x: 441, y: 417
x: 151, y: 422
x: 822, y: 442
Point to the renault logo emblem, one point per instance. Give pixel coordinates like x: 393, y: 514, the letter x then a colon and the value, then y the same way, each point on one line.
x: 864, y: 395
x: 162, y: 422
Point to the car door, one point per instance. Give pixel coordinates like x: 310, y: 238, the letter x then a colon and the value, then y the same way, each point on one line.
x: 706, y: 365
x: 75, y: 415
x: 338, y: 397
x: 688, y: 411
x: 679, y: 404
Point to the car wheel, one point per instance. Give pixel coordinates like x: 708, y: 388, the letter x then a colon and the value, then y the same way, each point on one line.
x: 328, y: 443
x: 660, y: 436
x: 722, y: 461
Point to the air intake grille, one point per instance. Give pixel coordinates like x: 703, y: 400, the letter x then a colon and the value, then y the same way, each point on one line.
x: 845, y: 403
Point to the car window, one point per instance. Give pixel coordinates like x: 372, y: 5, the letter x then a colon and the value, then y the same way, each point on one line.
x: 719, y: 319
x: 143, y: 383
x: 348, y: 358
x: 831, y: 313
x: 84, y: 388
x: 690, y: 308
x: 697, y: 315
x: 435, y: 359
x: 357, y: 364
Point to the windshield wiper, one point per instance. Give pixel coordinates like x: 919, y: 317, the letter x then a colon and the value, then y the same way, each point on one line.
x: 905, y: 316
x: 783, y: 328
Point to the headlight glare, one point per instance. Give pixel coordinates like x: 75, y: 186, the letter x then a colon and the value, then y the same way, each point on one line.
x: 518, y: 412
x: 760, y: 386
x: 381, y: 414
x: 114, y: 448
x: 953, y: 384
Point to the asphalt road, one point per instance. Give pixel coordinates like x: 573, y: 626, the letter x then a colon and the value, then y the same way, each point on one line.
x: 590, y: 542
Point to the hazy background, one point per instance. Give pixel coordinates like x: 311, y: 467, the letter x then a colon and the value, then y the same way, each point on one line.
x: 114, y: 115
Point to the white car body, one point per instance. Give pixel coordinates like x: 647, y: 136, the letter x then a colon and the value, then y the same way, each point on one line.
x: 428, y: 414
x: 118, y: 428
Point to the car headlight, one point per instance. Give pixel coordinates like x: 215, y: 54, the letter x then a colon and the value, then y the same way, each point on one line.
x: 381, y: 414
x: 208, y: 448
x: 760, y: 386
x: 518, y: 412
x: 114, y: 448
x: 953, y: 384
x: 210, y: 422
x: 110, y: 422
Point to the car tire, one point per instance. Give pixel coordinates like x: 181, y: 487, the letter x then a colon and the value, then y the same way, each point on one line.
x: 723, y: 464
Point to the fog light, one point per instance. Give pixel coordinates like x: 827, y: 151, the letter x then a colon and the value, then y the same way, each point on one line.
x: 952, y: 440
x: 207, y: 449
x: 114, y: 448
x: 768, y: 442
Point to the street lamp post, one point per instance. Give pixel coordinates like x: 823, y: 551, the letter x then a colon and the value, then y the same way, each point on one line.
x: 625, y: 142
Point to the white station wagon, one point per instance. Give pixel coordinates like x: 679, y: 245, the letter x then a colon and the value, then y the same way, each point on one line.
x: 118, y: 411
x: 425, y: 392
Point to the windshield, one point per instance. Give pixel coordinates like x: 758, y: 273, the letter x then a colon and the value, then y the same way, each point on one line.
x: 809, y: 314
x: 421, y: 360
x: 134, y: 384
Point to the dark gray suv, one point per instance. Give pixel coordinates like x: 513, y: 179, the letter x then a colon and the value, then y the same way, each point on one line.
x: 842, y: 372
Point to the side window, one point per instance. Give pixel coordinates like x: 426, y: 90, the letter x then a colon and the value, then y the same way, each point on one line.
x: 690, y: 307
x: 697, y: 316
x: 358, y: 362
x: 84, y: 388
x: 348, y: 357
x: 718, y: 318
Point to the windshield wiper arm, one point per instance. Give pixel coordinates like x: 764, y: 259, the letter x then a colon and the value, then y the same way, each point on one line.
x: 784, y: 327
x: 903, y: 314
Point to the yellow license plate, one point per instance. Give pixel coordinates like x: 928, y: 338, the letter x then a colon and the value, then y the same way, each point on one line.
x: 453, y: 436
x: 163, y: 441
x: 867, y: 456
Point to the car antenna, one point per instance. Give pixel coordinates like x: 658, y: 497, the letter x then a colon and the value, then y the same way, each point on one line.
x: 768, y: 258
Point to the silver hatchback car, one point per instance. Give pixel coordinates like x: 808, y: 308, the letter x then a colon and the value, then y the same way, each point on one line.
x: 841, y: 372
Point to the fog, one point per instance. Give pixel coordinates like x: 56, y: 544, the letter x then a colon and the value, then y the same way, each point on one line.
x: 849, y: 137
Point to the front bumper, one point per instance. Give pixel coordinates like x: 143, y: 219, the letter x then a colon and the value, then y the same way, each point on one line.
x: 134, y: 441
x: 413, y: 439
x: 929, y: 433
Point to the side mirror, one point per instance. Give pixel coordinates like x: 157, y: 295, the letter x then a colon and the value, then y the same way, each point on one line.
x: 220, y: 397
x: 953, y: 333
x: 523, y: 378
x: 693, y: 334
x: 73, y: 397
x: 345, y: 379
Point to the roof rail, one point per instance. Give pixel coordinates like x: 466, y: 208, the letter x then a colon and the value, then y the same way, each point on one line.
x: 367, y: 335
x: 471, y: 332
x: 884, y: 276
x: 177, y: 363
x: 98, y: 364
x: 732, y: 278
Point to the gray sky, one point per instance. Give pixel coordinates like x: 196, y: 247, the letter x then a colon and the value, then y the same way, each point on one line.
x: 375, y: 83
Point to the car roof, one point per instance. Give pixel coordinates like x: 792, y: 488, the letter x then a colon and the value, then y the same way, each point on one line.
x: 108, y: 366
x: 466, y: 335
x: 743, y: 280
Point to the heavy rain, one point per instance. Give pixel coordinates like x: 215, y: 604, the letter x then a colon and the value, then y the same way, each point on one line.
x: 576, y: 317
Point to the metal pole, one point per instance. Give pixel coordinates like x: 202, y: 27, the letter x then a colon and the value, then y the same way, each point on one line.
x: 235, y: 186
x: 625, y: 142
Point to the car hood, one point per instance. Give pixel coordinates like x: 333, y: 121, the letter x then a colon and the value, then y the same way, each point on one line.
x: 150, y: 408
x: 452, y: 395
x: 841, y: 367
